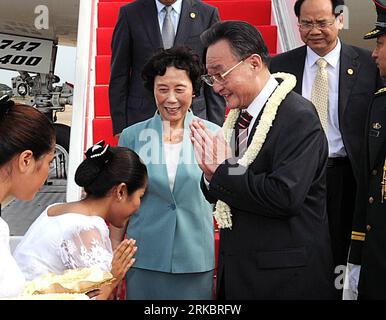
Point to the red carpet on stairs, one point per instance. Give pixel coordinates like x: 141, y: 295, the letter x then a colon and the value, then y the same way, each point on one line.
x: 256, y: 12
x: 104, y: 35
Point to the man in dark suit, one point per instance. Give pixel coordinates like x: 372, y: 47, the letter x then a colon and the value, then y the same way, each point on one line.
x: 367, y: 254
x: 137, y: 36
x: 275, y: 244
x: 352, y: 77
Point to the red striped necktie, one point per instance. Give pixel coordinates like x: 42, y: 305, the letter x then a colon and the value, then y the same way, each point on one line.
x: 241, y: 133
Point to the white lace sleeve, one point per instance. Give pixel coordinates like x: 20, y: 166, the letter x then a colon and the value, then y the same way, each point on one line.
x: 85, y: 248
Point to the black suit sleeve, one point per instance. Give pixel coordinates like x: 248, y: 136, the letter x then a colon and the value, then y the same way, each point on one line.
x: 359, y: 217
x: 215, y: 104
x: 119, y: 74
x: 279, y: 188
x: 205, y: 191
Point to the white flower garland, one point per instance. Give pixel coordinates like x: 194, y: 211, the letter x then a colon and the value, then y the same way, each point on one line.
x: 223, y: 211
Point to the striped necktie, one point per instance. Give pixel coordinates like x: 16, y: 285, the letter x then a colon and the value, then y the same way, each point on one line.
x: 241, y: 133
x: 168, y: 29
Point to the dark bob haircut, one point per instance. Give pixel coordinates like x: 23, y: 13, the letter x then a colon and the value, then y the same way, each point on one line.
x: 182, y: 58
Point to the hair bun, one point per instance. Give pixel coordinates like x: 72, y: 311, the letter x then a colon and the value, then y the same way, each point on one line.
x: 5, y: 105
x: 100, y: 152
x: 97, y: 157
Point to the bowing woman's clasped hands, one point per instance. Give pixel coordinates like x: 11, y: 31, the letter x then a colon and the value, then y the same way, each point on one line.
x: 210, y: 149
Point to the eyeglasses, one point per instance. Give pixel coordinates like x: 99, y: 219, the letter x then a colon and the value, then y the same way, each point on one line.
x: 322, y: 25
x: 220, y: 78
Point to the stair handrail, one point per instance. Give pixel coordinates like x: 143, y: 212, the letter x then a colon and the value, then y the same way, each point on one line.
x: 284, y: 17
x: 83, y: 102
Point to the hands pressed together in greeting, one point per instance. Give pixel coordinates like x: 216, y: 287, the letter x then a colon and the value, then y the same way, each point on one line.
x: 123, y: 259
x: 210, y: 149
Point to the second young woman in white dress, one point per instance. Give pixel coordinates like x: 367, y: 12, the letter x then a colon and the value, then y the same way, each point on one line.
x: 75, y: 235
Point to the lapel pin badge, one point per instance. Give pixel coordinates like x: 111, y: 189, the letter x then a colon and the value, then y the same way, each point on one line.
x: 192, y: 15
x: 350, y: 72
x: 377, y: 126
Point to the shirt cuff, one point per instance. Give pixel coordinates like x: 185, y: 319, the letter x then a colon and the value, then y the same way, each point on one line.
x: 206, y: 182
x: 350, y: 288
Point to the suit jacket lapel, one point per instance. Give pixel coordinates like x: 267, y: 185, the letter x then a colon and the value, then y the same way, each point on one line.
x: 150, y: 23
x: 349, y: 65
x: 186, y: 150
x: 185, y: 23
x: 298, y: 68
x: 161, y: 169
x: 250, y: 135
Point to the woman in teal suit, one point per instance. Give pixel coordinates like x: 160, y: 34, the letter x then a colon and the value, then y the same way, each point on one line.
x: 174, y: 225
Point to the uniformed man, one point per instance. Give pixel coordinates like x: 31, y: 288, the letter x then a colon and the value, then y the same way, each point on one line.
x: 367, y: 258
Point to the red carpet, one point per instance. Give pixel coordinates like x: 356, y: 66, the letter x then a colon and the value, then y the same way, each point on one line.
x: 257, y: 12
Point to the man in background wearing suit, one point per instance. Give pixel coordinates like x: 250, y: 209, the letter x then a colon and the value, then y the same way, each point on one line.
x: 274, y: 242
x: 142, y: 28
x: 367, y: 260
x: 351, y: 75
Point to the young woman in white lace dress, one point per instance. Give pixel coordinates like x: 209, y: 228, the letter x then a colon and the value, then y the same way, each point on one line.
x: 27, y: 141
x: 75, y: 235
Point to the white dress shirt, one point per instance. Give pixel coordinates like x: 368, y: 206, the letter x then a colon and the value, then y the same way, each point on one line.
x: 172, y: 156
x: 334, y: 137
x: 176, y: 13
x: 258, y: 103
